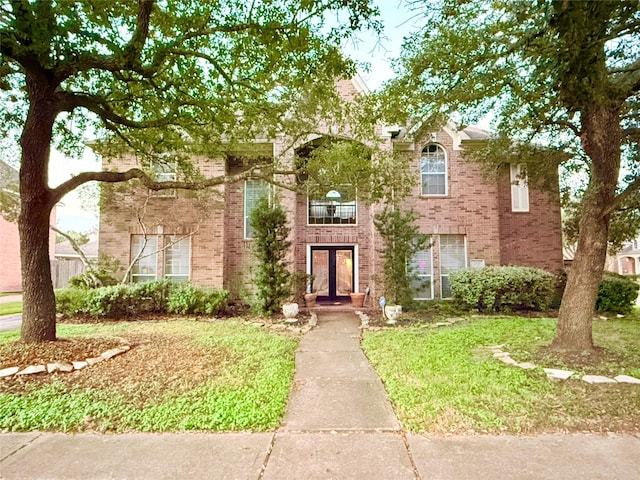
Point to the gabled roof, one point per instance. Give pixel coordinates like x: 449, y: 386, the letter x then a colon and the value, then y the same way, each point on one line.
x: 90, y: 249
x: 8, y: 175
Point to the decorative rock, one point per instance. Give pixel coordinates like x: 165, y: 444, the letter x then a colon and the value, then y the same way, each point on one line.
x: 508, y: 360
x: 627, y: 379
x: 31, y: 369
x: 114, y: 351
x: 94, y: 360
x: 59, y: 366
x: 79, y: 365
x: 500, y: 354
x: 313, y: 321
x: 7, y: 372
x: 597, y: 379
x: 527, y: 365
x: 555, y: 374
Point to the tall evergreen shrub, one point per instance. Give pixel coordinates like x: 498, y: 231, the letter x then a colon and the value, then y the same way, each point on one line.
x: 270, y: 246
x: 401, y: 240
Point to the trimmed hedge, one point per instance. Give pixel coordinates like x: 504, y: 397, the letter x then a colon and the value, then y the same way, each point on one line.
x: 187, y: 299
x: 492, y: 289
x: 127, y: 300
x: 617, y: 294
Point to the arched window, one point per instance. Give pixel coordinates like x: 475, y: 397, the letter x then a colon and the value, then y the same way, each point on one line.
x: 433, y: 170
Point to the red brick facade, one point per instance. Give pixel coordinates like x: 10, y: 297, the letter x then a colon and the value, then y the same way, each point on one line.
x: 475, y: 209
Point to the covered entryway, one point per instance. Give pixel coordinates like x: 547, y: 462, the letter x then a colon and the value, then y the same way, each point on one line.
x: 333, y: 269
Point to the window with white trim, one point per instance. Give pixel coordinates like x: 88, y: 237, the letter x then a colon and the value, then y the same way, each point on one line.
x: 519, y: 188
x: 433, y: 170
x: 333, y: 207
x: 421, y: 270
x: 177, y: 258
x: 254, y: 190
x: 145, y: 269
x: 165, y: 172
x: 453, y: 257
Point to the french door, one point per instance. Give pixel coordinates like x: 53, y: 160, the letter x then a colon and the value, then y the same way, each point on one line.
x: 332, y: 270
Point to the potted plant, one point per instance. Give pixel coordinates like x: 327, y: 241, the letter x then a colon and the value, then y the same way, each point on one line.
x: 357, y: 299
x: 310, y: 294
x: 401, y: 240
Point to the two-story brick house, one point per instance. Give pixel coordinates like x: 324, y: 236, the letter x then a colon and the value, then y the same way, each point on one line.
x: 473, y: 221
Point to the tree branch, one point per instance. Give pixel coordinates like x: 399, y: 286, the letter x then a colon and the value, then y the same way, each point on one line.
x: 68, y: 101
x: 74, y: 244
x: 623, y: 196
x: 264, y: 171
x: 632, y: 132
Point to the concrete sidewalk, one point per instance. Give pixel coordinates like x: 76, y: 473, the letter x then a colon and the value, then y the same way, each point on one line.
x: 339, y: 425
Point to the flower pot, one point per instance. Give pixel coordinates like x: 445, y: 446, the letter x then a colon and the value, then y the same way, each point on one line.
x: 310, y: 299
x: 357, y: 299
x: 392, y: 312
x: 290, y: 311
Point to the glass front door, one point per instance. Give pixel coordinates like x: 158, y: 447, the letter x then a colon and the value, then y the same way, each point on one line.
x: 332, y: 269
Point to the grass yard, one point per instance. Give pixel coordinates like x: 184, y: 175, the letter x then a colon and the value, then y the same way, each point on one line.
x: 179, y: 375
x: 443, y: 380
x: 10, y: 307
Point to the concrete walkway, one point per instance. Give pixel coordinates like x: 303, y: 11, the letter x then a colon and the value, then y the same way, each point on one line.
x: 339, y: 425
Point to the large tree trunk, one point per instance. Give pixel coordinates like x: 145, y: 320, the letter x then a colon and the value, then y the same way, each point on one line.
x: 601, y: 141
x: 39, y: 310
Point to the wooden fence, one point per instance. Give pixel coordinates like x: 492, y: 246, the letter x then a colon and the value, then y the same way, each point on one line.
x: 62, y: 269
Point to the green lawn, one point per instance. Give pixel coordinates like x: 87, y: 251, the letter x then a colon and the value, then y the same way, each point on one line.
x: 178, y: 375
x: 10, y: 307
x: 443, y: 380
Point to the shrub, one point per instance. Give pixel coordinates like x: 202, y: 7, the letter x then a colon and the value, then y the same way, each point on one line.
x: 269, y: 222
x: 128, y: 299
x: 187, y: 299
x: 616, y: 294
x: 401, y: 240
x: 71, y: 301
x: 101, y: 272
x: 498, y: 288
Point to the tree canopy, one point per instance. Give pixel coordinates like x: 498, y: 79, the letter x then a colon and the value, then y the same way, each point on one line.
x: 162, y: 80
x: 558, y: 76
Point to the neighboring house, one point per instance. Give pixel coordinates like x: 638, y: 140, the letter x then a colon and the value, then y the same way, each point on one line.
x: 10, y: 270
x: 68, y: 263
x: 472, y: 221
x: 627, y: 260
x: 64, y: 250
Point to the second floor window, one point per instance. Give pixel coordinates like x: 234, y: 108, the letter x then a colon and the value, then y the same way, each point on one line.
x: 519, y: 189
x: 254, y: 190
x: 433, y: 170
x: 165, y: 172
x: 332, y: 207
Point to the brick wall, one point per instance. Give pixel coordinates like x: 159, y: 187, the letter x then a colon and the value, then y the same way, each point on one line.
x: 10, y: 268
x: 474, y: 207
x: 198, y: 213
x: 531, y: 238
x: 10, y: 277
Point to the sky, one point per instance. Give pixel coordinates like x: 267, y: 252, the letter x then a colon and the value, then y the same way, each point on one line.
x: 398, y: 21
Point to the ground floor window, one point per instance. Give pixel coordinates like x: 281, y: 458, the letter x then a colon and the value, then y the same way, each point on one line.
x: 421, y: 270
x: 145, y: 250
x: 453, y: 257
x: 171, y: 252
x: 430, y: 272
x: 177, y: 258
